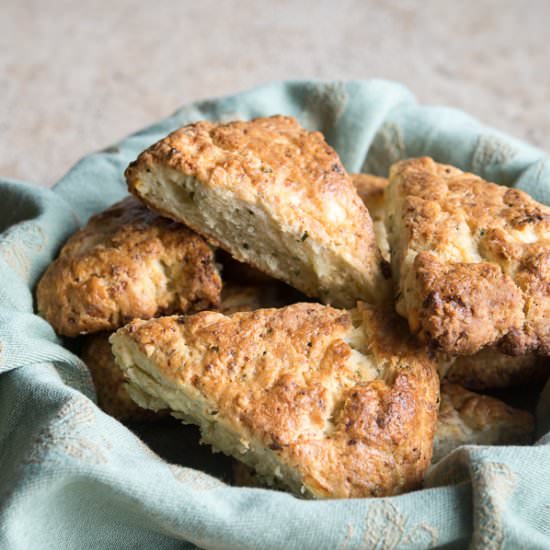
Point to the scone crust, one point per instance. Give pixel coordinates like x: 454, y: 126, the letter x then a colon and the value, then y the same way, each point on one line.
x: 269, y: 171
x: 371, y: 189
x: 491, y: 369
x: 472, y: 259
x: 112, y: 395
x: 467, y: 418
x: 284, y: 379
x: 126, y: 263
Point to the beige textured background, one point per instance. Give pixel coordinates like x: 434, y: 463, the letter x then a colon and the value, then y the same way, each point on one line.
x: 77, y: 76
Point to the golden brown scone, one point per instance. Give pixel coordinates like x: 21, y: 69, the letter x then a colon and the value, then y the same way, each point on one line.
x: 274, y: 196
x: 127, y: 263
x: 112, y: 395
x: 491, y: 369
x: 331, y: 403
x: 471, y: 259
x: 467, y: 418
x: 371, y: 190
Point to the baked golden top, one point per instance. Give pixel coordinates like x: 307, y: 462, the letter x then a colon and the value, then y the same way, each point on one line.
x: 468, y: 418
x: 329, y: 402
x: 109, y: 382
x: 371, y: 190
x: 465, y: 418
x: 488, y: 368
x: 471, y: 259
x: 273, y: 195
x: 126, y: 263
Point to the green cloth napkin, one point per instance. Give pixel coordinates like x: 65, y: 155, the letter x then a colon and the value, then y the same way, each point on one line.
x: 73, y: 477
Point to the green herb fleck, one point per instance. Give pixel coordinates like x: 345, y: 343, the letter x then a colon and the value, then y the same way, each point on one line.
x: 482, y: 232
x: 304, y: 236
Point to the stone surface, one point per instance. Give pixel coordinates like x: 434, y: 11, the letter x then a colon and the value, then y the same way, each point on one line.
x: 77, y: 76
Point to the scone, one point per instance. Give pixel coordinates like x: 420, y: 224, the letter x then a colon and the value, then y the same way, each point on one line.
x: 109, y: 382
x: 112, y: 395
x: 471, y: 260
x: 491, y: 369
x: 488, y: 368
x: 274, y: 196
x: 330, y: 403
x: 371, y: 190
x: 127, y: 263
x: 467, y: 418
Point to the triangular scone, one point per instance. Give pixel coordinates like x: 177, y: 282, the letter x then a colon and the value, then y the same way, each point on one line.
x: 127, y: 262
x: 489, y: 368
x: 331, y: 403
x: 108, y: 379
x: 471, y: 259
x: 468, y: 418
x: 273, y: 195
